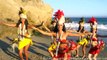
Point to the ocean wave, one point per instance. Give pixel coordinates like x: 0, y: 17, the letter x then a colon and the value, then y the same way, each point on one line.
x: 75, y: 25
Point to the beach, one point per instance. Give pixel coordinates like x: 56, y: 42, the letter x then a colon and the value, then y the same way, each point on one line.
x: 14, y: 13
x: 38, y: 51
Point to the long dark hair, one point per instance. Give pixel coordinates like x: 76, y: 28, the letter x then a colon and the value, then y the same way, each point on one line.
x: 19, y: 21
x: 56, y: 28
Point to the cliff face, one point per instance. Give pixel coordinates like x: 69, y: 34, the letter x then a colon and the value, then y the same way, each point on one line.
x: 36, y: 10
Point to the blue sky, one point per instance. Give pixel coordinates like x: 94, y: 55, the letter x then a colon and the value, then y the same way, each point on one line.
x: 80, y: 8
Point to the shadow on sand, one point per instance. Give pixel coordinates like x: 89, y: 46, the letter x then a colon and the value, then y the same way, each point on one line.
x: 5, y: 48
x: 41, y: 46
x: 37, y: 53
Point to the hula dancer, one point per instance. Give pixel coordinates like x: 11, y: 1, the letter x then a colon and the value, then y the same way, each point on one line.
x: 60, y: 33
x: 23, y: 35
x: 93, y: 24
x: 53, y: 46
x: 81, y: 26
x: 82, y: 41
x: 97, y: 46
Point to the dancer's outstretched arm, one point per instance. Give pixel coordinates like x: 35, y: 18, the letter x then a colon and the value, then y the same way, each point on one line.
x: 42, y: 24
x: 7, y: 24
x: 46, y: 28
x: 43, y: 32
x: 39, y: 25
x: 75, y: 34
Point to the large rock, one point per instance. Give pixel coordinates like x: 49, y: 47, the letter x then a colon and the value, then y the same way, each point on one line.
x: 37, y: 11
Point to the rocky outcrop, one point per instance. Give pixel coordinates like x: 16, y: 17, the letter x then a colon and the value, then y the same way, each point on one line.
x: 36, y: 10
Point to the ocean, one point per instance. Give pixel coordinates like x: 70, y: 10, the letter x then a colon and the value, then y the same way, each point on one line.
x: 102, y: 25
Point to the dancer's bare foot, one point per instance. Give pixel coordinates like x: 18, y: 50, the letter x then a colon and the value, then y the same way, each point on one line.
x: 77, y: 56
x: 83, y: 57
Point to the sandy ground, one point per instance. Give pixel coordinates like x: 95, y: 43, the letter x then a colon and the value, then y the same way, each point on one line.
x: 38, y: 51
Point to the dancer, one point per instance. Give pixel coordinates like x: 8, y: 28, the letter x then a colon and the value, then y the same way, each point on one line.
x: 97, y: 46
x: 82, y: 41
x: 53, y: 46
x: 81, y: 26
x: 60, y: 33
x: 24, y: 40
x: 93, y: 24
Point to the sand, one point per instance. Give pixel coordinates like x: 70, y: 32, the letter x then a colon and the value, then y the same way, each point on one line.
x: 38, y: 51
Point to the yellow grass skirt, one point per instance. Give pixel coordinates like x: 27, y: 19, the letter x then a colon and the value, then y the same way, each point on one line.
x: 83, y: 41
x: 24, y: 42
x: 52, y: 47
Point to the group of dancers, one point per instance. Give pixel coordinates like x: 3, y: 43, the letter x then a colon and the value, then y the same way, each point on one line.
x: 61, y: 48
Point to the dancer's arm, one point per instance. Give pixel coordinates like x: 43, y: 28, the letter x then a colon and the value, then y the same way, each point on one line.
x: 39, y: 25
x: 43, y: 32
x: 75, y: 34
x: 42, y: 24
x: 47, y: 28
x: 7, y: 24
x: 70, y: 31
